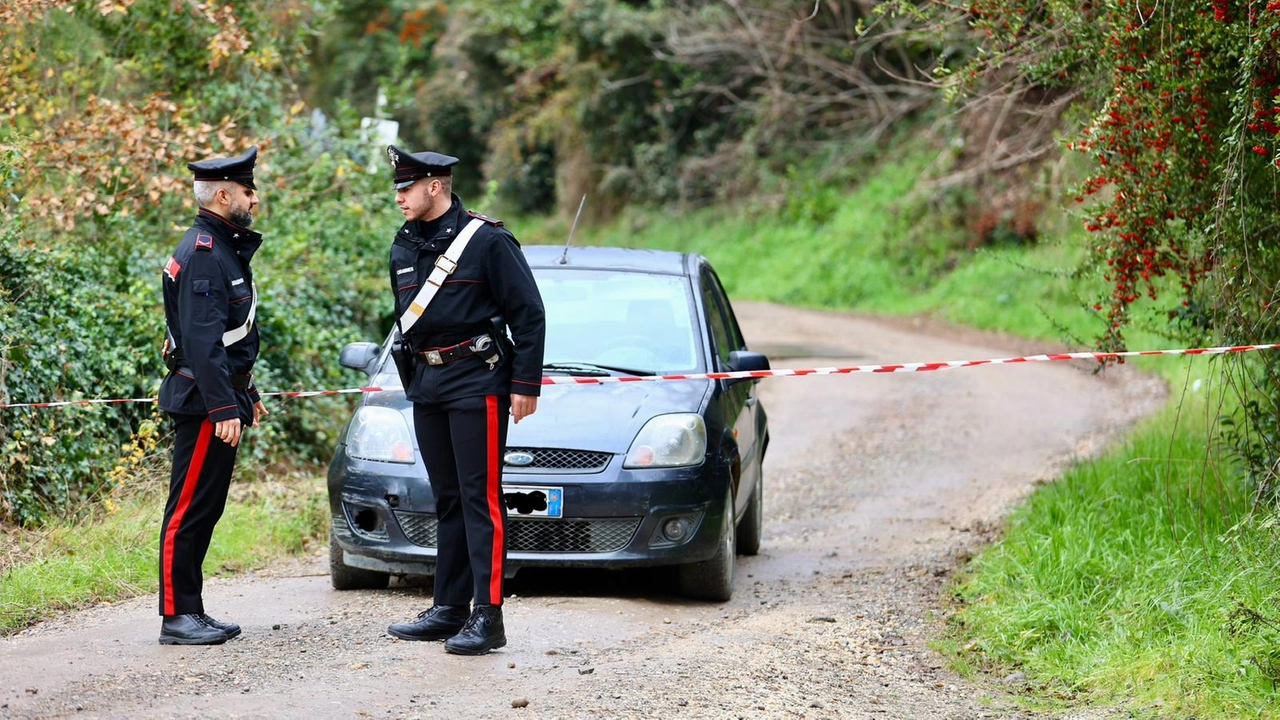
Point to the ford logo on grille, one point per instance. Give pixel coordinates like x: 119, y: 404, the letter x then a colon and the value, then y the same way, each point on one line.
x: 518, y: 458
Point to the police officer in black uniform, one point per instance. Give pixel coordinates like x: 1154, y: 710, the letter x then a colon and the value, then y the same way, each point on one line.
x: 210, y: 348
x: 464, y: 377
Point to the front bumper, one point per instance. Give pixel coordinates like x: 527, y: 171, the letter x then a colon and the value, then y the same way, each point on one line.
x: 384, y: 517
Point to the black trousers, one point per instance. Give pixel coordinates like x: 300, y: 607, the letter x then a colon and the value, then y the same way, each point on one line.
x: 462, y: 442
x: 198, y: 486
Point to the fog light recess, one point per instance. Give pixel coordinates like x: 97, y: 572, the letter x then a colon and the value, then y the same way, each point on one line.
x: 365, y: 521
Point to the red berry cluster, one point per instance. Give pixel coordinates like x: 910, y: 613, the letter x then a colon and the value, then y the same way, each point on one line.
x: 1263, y: 128
x: 1154, y: 147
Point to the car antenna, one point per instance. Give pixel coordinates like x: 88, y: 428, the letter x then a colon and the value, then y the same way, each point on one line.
x: 564, y: 259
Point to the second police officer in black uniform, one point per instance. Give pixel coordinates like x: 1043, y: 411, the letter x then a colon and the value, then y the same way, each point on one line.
x: 211, y: 344
x: 460, y: 282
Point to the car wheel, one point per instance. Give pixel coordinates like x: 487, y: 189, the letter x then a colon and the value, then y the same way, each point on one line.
x: 752, y: 524
x: 345, y: 577
x: 713, y: 579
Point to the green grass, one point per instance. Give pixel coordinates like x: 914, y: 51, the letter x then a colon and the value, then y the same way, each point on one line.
x: 1140, y: 578
x: 114, y: 555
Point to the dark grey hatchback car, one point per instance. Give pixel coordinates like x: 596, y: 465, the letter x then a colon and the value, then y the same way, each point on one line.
x: 610, y: 475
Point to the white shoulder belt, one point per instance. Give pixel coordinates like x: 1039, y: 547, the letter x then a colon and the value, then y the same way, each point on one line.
x: 235, y: 335
x: 445, y: 265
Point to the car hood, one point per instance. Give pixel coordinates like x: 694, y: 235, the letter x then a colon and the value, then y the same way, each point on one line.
x: 600, y: 418
x: 603, y: 418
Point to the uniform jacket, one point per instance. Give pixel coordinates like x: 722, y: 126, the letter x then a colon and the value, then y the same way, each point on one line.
x: 492, y: 279
x: 208, y: 290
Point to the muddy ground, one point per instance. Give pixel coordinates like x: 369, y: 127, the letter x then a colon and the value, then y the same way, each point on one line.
x: 878, y: 488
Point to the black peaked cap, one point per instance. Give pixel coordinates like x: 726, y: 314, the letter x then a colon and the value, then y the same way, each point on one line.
x: 237, y: 169
x: 412, y: 167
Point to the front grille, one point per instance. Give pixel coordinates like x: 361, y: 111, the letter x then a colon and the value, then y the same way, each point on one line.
x: 584, y: 461
x: 583, y: 535
x: 420, y: 528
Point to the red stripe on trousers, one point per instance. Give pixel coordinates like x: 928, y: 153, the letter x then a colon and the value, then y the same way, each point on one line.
x: 184, y: 502
x: 495, y: 497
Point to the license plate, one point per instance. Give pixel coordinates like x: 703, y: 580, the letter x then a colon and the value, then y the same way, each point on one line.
x: 534, y: 501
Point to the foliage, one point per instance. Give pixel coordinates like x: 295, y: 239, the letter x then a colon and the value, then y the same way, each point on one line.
x: 116, y: 100
x: 1180, y: 102
x: 375, y: 46
x: 628, y: 102
x: 53, y: 346
x: 568, y: 94
x: 1166, y: 110
x: 95, y: 193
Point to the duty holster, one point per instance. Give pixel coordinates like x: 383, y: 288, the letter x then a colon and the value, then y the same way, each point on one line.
x: 173, y: 359
x: 502, y: 346
x: 402, y: 356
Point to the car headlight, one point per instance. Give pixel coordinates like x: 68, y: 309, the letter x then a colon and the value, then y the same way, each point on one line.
x: 381, y: 434
x: 669, y: 441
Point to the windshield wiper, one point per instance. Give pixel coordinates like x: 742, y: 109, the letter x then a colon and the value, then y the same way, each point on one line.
x: 591, y: 369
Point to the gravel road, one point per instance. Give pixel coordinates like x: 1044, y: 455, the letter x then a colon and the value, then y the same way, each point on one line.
x: 878, y: 487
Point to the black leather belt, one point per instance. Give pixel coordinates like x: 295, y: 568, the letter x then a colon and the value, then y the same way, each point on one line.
x: 479, y: 345
x: 241, y: 382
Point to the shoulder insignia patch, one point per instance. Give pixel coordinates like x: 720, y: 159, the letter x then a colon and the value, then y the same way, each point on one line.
x: 486, y: 218
x: 204, y: 242
x: 172, y: 268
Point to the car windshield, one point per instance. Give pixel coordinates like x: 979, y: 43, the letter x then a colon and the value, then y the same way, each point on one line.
x: 632, y: 320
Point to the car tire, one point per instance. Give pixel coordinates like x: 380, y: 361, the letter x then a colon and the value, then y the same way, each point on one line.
x: 344, y: 577
x: 713, y: 579
x: 752, y: 525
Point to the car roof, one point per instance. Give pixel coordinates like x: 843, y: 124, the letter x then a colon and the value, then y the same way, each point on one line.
x: 611, y: 258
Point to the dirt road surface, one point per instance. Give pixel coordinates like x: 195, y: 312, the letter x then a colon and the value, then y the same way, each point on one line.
x: 878, y: 487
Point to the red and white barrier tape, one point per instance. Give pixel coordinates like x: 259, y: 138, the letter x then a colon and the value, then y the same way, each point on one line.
x: 907, y: 367
x: 307, y: 393
x: 753, y: 374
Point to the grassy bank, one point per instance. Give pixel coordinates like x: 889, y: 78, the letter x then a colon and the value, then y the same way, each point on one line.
x: 1139, y: 579
x: 111, y: 555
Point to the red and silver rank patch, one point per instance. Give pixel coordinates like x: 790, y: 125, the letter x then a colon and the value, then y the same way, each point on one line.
x: 172, y: 268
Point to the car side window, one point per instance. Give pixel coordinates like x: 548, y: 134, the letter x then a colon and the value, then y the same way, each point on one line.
x: 720, y: 333
x: 730, y: 322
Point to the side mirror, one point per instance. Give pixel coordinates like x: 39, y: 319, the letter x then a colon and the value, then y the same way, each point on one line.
x: 745, y: 360
x: 359, y: 356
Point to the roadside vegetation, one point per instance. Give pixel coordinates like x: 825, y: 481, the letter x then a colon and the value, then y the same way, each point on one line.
x: 1091, y: 175
x: 111, y: 555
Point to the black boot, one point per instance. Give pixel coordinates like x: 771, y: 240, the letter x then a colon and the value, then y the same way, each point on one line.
x: 189, y: 630
x: 231, y: 629
x: 482, y: 633
x: 435, y: 623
